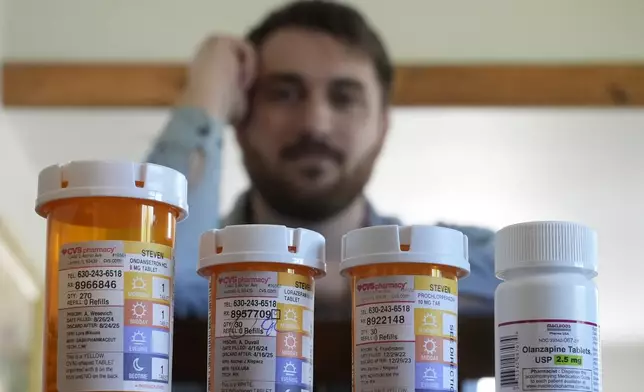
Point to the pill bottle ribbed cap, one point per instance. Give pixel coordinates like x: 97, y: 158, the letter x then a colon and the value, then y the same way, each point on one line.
x: 545, y: 244
x: 262, y: 243
x: 146, y: 181
x: 405, y: 244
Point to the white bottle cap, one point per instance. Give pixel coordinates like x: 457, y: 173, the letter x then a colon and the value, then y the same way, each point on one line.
x: 545, y: 244
x: 144, y: 181
x: 262, y: 243
x: 384, y: 244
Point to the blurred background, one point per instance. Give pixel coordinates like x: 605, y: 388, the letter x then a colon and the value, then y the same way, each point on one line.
x: 570, y: 151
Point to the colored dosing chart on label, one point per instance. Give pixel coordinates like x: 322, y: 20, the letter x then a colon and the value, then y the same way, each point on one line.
x: 147, y: 324
x: 263, y: 329
x: 115, y: 312
x: 406, y: 334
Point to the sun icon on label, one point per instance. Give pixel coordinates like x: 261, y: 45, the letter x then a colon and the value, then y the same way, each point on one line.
x: 138, y: 283
x: 290, y: 342
x: 430, y: 374
x: 290, y: 315
x: 430, y: 346
x: 138, y: 310
x: 429, y: 320
x: 290, y: 368
x: 138, y: 338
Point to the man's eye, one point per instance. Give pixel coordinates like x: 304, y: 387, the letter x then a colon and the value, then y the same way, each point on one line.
x: 343, y: 99
x: 283, y: 94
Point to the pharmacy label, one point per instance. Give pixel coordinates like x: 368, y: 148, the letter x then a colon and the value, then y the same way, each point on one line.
x: 549, y: 355
x: 405, y: 334
x: 261, y: 332
x: 114, y: 316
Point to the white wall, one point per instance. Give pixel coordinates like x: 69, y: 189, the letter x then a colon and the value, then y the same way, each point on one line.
x: 18, y: 286
x: 623, y: 366
x: 435, y: 31
x: 15, y: 169
x: 19, y: 185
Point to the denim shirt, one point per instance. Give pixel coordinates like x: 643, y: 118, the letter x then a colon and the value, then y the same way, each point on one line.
x: 191, y: 130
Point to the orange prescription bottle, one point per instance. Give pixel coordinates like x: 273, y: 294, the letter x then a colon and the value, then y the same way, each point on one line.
x: 110, y: 267
x: 405, y: 305
x: 262, y: 290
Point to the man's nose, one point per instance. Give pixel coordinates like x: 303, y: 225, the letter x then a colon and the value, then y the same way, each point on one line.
x: 317, y: 116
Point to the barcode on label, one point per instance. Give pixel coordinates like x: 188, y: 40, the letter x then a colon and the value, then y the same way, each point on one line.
x: 509, y: 355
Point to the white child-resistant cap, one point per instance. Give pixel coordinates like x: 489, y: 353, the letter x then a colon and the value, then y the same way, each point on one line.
x: 385, y: 244
x: 145, y: 181
x: 262, y: 243
x: 545, y: 244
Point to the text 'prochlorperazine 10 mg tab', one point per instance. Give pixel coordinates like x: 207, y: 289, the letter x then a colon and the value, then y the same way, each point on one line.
x: 405, y: 306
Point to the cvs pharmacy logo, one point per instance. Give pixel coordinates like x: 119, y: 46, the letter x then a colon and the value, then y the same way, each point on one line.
x: 227, y: 280
x: 72, y: 251
x: 372, y: 286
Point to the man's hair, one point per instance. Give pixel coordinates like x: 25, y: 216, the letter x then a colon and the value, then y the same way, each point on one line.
x: 339, y: 21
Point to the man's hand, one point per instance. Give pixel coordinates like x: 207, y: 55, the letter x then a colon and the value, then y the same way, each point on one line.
x: 219, y: 77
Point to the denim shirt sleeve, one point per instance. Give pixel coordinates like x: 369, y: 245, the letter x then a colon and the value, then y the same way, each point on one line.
x: 190, y: 131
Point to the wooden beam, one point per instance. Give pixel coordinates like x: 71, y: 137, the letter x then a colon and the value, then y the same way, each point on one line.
x: 522, y: 85
x: 121, y: 85
x: 157, y: 85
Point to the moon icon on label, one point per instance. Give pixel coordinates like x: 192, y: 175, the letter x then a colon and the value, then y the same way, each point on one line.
x: 135, y: 365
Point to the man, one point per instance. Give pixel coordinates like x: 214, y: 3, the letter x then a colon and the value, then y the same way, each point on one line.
x: 308, y: 95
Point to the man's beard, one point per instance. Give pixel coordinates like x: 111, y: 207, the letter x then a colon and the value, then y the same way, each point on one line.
x: 285, y: 198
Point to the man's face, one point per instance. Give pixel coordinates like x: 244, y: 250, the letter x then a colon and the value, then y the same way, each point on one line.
x: 316, y: 124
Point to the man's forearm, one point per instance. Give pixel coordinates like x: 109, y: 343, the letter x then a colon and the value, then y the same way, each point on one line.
x: 191, y: 143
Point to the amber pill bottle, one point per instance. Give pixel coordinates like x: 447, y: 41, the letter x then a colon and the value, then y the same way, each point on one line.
x: 110, y: 274
x: 405, y: 306
x: 262, y: 295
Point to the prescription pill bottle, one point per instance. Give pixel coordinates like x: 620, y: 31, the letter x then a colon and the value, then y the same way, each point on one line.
x: 110, y: 238
x: 405, y: 306
x: 262, y: 291
x: 547, y: 330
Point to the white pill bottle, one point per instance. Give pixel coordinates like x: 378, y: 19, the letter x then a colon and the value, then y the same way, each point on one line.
x: 546, y: 311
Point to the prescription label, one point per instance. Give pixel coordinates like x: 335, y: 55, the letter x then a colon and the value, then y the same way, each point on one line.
x: 405, y: 334
x: 261, y: 333
x: 549, y: 355
x: 114, y: 316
